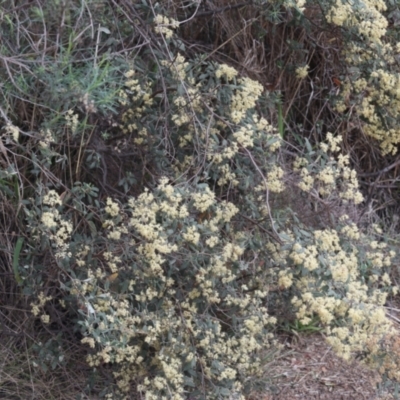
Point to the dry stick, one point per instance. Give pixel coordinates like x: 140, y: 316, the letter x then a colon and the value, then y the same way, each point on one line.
x: 143, y: 34
x: 297, y: 90
x: 97, y: 47
x: 4, y: 116
x: 70, y: 164
x: 227, y: 41
x: 91, y: 19
x: 260, y: 226
x: 382, y: 171
x: 48, y: 174
x: 60, y: 31
x: 266, y: 192
x: 80, y: 151
x: 187, y: 95
x: 80, y: 34
x: 223, y: 9
x: 193, y: 16
x: 45, y: 40
x: 14, y: 61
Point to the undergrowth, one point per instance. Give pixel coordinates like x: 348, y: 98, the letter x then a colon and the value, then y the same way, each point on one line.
x: 180, y: 182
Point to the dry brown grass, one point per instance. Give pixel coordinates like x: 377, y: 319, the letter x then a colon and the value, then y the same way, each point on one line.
x: 309, y: 369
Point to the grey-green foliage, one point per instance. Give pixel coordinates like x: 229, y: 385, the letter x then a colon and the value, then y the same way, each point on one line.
x: 177, y: 288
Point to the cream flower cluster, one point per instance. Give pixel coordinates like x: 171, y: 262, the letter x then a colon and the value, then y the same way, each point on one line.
x: 165, y: 26
x: 72, y: 120
x: 274, y: 179
x: 177, y: 67
x: 229, y: 73
x: 302, y: 72
x: 367, y: 17
x: 340, y: 14
x: 47, y: 138
x: 273, y: 139
x: 383, y: 93
x: 245, y: 98
x: 349, y: 299
x: 244, y: 136
x: 374, y: 90
x: 58, y: 229
x: 334, y: 178
x: 138, y: 94
x: 37, y: 307
x: 157, y: 249
x: 13, y: 131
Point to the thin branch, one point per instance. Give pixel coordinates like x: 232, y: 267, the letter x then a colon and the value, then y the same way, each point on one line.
x: 221, y: 10
x: 266, y: 192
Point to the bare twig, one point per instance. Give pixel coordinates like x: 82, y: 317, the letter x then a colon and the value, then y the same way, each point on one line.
x: 266, y: 192
x: 221, y: 9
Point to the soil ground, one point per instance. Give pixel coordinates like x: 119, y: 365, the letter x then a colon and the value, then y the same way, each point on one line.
x: 310, y: 370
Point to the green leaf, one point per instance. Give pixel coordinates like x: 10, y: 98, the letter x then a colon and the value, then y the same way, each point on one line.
x: 105, y: 30
x: 189, y: 381
x: 309, y: 147
x: 93, y: 229
x: 225, y: 391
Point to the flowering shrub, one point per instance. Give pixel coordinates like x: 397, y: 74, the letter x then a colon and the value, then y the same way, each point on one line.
x: 162, y: 282
x: 183, y: 309
x: 173, y: 284
x: 371, y: 90
x: 178, y: 283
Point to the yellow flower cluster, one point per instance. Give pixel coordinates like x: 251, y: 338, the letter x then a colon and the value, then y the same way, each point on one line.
x: 306, y: 256
x: 307, y: 181
x: 300, y: 5
x: 375, y: 94
x: 273, y: 139
x: 139, y: 95
x: 302, y: 72
x: 165, y: 26
x: 334, y: 179
x: 42, y: 300
x: 177, y: 67
x: 340, y: 13
x: 351, y: 231
x: 333, y: 142
x: 13, y: 131
x: 112, y: 208
x: 349, y: 298
x: 191, y: 235
x: 58, y: 229
x: 285, y: 280
x: 203, y: 200
x: 229, y: 73
x: 367, y: 18
x: 299, y: 163
x: 149, y: 218
x: 244, y: 136
x: 36, y: 307
x: 227, y: 176
x: 52, y: 198
x: 72, y: 120
x: 384, y: 93
x: 47, y: 138
x: 245, y: 98
x: 274, y: 180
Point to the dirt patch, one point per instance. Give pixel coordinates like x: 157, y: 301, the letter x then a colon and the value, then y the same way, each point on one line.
x: 309, y: 369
